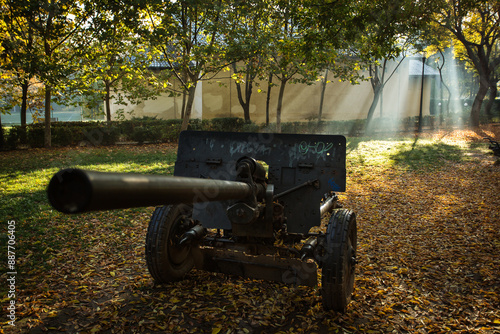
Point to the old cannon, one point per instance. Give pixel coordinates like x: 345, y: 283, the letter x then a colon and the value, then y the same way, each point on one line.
x: 494, y: 146
x: 239, y: 203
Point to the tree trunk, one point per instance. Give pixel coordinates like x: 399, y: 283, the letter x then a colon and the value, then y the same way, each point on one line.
x: 184, y: 95
x: 377, y: 85
x: 108, y: 104
x: 183, y: 107
x: 322, y: 99
x: 24, y: 102
x: 248, y: 96
x: 377, y: 90
x: 47, y: 134
x: 245, y: 102
x: 441, y: 117
x: 24, y: 109
x: 2, y: 138
x: 381, y: 106
x: 441, y: 106
x: 491, y: 100
x: 280, y: 105
x: 478, y: 101
x: 420, y: 114
x: 189, y: 106
x: 246, y: 112
x: 268, y: 98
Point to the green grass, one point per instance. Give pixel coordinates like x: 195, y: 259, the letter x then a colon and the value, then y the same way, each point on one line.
x: 24, y: 176
x: 406, y: 153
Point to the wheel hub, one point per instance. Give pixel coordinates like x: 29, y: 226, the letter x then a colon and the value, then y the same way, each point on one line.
x: 178, y: 254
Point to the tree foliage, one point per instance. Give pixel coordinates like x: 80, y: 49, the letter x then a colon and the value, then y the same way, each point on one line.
x: 20, y: 57
x: 288, y: 58
x: 38, y: 44
x: 392, y: 30
x: 188, y: 36
x: 475, y: 29
x: 115, y: 63
x: 247, y: 38
x: 103, y: 48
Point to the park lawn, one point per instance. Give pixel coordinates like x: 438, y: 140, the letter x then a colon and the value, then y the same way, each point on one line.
x: 428, y: 243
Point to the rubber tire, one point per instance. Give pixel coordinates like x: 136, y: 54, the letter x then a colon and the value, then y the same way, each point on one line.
x: 160, y: 245
x: 338, y: 269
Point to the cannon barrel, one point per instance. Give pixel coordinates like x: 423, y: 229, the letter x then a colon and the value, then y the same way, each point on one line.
x: 76, y: 190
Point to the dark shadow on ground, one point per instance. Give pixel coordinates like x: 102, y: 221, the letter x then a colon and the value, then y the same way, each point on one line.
x: 418, y: 155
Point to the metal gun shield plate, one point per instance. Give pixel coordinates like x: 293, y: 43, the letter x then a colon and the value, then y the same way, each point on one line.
x: 313, y: 164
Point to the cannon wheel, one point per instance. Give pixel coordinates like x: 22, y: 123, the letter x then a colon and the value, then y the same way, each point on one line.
x: 339, y: 261
x: 168, y: 262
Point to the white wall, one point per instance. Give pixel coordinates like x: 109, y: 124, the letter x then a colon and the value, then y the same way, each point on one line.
x: 343, y: 101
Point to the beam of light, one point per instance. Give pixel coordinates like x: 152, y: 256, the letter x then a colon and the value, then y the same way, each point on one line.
x: 456, y: 106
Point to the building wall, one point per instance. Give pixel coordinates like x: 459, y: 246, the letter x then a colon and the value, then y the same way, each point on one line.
x: 343, y: 101
x: 300, y: 102
x: 165, y: 106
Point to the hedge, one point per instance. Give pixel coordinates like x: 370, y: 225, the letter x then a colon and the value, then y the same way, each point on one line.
x: 152, y: 130
x: 141, y: 130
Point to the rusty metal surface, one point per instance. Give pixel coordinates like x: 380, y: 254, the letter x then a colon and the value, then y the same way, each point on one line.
x: 266, y: 267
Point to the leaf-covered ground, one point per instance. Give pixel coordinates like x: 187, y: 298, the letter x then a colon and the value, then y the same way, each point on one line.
x: 428, y: 242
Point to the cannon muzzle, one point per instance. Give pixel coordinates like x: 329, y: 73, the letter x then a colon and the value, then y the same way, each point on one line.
x: 76, y: 190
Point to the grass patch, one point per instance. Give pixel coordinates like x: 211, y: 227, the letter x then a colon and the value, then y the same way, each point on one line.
x: 41, y: 232
x: 405, y: 153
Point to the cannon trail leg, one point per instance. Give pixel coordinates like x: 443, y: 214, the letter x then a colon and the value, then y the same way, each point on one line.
x: 339, y: 260
x: 167, y: 260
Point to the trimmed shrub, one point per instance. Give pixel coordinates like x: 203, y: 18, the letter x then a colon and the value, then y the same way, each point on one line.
x: 198, y: 125
x: 170, y: 133
x: 36, y: 135
x: 150, y: 129
x: 227, y: 124
x: 99, y: 134
x: 13, y: 137
x: 250, y: 127
x: 64, y: 136
x: 146, y: 133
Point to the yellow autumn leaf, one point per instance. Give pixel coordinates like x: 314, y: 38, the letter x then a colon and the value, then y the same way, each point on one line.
x: 95, y: 329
